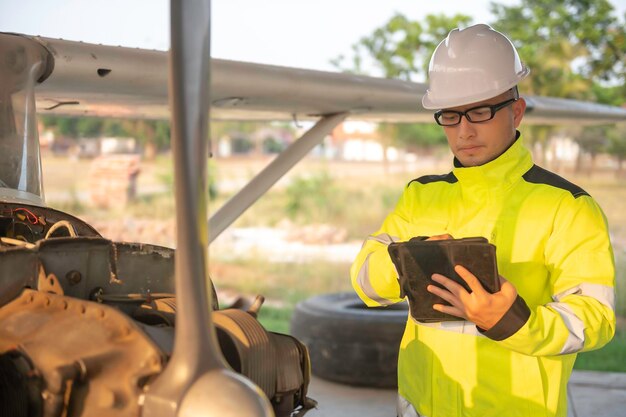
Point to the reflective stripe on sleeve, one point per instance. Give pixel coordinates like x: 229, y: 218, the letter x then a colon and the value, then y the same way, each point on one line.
x: 603, y: 293
x: 363, y: 279
x: 384, y: 238
x: 576, y: 327
x: 405, y: 409
x: 576, y: 338
x: 462, y: 327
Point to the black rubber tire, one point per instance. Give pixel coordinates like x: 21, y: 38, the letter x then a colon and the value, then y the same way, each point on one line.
x: 349, y: 342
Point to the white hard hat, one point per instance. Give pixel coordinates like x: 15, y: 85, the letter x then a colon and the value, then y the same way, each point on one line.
x: 471, y: 65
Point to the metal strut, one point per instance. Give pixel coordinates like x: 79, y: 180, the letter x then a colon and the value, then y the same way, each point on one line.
x: 260, y: 184
x: 196, y: 380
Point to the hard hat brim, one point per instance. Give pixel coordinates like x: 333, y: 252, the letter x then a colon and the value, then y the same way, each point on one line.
x: 429, y: 104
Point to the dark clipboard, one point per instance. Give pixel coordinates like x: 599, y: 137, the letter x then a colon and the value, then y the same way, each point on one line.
x: 417, y: 260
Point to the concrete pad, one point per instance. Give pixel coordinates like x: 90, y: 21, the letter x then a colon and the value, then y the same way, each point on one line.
x: 597, y: 394
x: 334, y: 400
x: 591, y: 394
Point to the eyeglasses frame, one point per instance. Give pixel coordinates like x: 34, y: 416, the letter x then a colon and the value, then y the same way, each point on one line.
x: 493, y: 107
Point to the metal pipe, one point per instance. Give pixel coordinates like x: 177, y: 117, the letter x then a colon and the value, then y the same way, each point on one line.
x: 259, y: 185
x: 196, y: 380
x: 22, y: 64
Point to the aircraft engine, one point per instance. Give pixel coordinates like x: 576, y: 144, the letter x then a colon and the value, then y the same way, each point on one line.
x: 86, y: 324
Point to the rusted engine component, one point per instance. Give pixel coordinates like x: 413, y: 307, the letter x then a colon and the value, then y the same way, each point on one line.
x: 115, y: 268
x: 48, y: 283
x: 20, y: 386
x: 92, y: 359
x: 31, y: 223
x: 278, y: 364
x: 86, y: 322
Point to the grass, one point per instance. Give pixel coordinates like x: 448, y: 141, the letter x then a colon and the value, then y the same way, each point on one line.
x: 611, y: 358
x: 620, y: 284
x: 286, y: 283
x: 276, y: 319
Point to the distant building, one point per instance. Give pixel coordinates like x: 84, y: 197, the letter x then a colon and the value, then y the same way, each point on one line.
x: 266, y: 140
x: 360, y: 141
x: 110, y: 146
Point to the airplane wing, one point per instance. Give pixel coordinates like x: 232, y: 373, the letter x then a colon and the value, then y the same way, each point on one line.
x: 97, y: 80
x: 113, y: 81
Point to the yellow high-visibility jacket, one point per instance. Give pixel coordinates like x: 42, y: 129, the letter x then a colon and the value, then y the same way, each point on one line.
x: 552, y: 245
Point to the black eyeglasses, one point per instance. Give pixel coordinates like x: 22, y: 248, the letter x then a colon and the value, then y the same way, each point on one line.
x: 475, y: 114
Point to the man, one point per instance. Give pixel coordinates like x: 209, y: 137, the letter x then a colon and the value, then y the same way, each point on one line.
x: 511, y: 353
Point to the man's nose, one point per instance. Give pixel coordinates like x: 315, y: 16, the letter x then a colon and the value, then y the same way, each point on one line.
x: 466, y: 128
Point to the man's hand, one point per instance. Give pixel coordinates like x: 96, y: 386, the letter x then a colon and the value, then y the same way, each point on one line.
x: 441, y: 237
x: 479, y: 306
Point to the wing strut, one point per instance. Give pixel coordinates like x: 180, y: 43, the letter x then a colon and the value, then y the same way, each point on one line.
x: 260, y: 184
x: 196, y: 381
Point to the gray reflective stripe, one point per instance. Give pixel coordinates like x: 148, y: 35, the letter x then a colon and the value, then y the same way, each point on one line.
x: 462, y: 327
x: 363, y: 279
x: 383, y: 238
x: 576, y: 338
x: 603, y: 293
x: 574, y: 290
x: 405, y: 409
x: 575, y: 326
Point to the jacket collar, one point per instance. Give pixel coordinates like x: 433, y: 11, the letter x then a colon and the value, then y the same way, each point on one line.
x: 501, y: 172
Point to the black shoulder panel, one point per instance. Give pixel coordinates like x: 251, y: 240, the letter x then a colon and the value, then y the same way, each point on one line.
x: 427, y: 179
x: 538, y: 175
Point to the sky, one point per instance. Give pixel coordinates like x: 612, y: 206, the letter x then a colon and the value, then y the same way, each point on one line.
x: 295, y: 33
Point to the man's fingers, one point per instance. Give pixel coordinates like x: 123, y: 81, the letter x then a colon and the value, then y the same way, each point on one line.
x: 453, y: 311
x: 470, y: 278
x: 508, y: 290
x: 452, y: 286
x: 444, y: 294
x: 440, y: 237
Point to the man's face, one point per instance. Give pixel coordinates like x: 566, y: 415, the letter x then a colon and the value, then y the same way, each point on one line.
x: 476, y: 144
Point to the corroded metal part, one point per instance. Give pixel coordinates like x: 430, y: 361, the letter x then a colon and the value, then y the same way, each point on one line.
x: 99, y: 366
x: 23, y: 62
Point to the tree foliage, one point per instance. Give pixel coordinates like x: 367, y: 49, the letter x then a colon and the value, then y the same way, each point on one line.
x: 568, y: 44
x: 617, y: 145
x: 149, y: 133
x: 575, y: 49
x: 401, y: 48
x: 416, y: 135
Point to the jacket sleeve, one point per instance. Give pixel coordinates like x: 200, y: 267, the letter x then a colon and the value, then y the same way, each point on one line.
x: 373, y: 274
x: 581, y: 315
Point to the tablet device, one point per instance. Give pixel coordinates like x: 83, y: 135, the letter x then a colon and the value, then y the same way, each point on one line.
x: 417, y: 260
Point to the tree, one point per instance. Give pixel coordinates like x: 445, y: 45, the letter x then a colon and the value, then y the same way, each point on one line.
x: 592, y: 140
x: 611, y: 95
x: 617, y: 146
x: 419, y: 135
x: 401, y: 48
x: 567, y: 44
x: 88, y: 127
x: 570, y: 46
x: 152, y: 135
x: 67, y: 127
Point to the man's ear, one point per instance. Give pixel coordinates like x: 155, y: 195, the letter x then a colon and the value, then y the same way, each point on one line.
x: 519, y: 107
